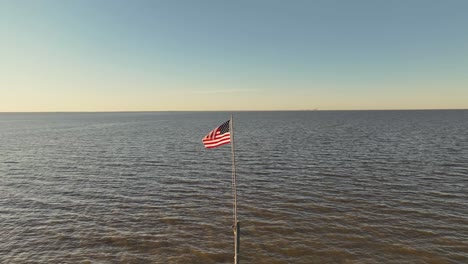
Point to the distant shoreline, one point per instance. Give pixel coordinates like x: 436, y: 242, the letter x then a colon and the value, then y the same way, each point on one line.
x: 201, y: 111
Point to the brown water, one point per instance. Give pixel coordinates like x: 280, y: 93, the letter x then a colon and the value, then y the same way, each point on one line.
x: 314, y: 187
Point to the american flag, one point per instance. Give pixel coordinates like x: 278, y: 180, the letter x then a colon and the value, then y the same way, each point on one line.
x: 218, y: 136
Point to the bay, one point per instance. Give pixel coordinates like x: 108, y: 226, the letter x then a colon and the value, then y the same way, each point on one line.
x: 313, y: 187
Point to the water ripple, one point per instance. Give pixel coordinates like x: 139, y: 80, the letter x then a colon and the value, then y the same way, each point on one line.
x: 314, y: 187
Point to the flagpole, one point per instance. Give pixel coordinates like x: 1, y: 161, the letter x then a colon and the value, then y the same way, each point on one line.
x: 236, y: 225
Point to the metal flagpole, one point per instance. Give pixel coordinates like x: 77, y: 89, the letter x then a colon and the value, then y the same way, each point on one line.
x: 236, y: 225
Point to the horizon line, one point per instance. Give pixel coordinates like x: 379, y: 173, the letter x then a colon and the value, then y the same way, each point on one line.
x: 290, y: 110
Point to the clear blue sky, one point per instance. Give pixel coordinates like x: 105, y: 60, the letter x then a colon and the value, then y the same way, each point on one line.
x: 74, y: 55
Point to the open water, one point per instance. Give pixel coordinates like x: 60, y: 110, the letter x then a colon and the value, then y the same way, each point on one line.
x: 314, y: 187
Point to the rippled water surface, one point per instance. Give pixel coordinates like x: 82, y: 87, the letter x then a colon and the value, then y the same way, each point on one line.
x: 314, y: 187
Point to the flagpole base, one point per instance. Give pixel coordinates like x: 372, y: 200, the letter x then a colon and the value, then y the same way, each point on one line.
x: 236, y: 230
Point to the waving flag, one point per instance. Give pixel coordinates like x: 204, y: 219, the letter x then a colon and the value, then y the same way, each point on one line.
x: 218, y: 136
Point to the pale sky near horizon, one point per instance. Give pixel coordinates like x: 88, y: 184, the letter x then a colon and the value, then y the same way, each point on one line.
x: 112, y: 55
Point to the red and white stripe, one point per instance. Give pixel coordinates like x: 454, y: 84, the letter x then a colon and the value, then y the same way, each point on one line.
x: 215, y: 139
